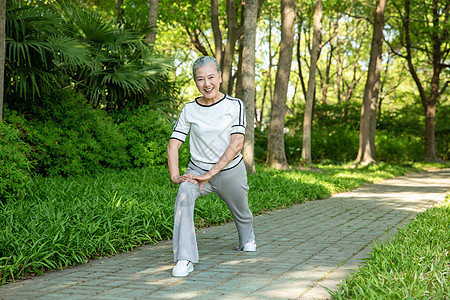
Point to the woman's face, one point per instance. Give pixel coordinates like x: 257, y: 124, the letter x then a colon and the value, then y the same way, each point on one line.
x: 208, y: 81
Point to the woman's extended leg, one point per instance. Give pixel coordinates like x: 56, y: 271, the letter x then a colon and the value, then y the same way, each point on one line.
x: 233, y: 190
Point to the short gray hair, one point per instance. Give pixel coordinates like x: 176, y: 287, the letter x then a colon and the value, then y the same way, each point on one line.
x: 200, y: 62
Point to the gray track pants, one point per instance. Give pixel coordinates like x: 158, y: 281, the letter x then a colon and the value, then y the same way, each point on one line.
x: 231, y: 186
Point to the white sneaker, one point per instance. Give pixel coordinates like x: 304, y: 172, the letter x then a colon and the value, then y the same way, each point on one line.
x: 248, y: 247
x: 183, y: 268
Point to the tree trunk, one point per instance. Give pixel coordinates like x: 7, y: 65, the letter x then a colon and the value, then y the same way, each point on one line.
x: 366, y: 151
x: 248, y: 81
x: 299, y: 62
x: 228, y: 55
x: 327, y: 74
x: 276, y: 156
x: 430, y: 135
x: 308, y: 115
x: 152, y: 19
x: 268, y: 81
x: 119, y: 9
x: 2, y: 53
x: 430, y: 104
x: 216, y: 30
x: 339, y: 74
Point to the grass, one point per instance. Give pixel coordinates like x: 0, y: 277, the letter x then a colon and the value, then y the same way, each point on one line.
x: 66, y: 221
x: 414, y: 264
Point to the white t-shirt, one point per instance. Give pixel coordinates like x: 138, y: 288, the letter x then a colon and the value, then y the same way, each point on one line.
x: 211, y: 127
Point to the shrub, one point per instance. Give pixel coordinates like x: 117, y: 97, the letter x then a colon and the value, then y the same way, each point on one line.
x: 443, y: 131
x: 397, y: 149
x: 261, y: 137
x: 147, y: 132
x: 67, y: 136
x: 14, y: 163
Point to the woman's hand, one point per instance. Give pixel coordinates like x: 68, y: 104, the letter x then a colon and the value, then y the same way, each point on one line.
x: 201, y: 179
x: 177, y: 179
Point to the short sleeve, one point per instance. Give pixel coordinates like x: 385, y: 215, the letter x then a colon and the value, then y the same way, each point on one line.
x: 239, y: 120
x: 181, y: 128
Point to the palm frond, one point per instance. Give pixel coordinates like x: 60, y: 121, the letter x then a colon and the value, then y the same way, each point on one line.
x: 70, y: 52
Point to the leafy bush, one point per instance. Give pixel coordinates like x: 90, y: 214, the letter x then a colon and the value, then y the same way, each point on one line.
x: 397, y: 149
x: 67, y: 43
x: 67, y: 136
x: 261, y: 138
x: 67, y: 221
x: 147, y: 132
x: 14, y: 163
x: 443, y: 131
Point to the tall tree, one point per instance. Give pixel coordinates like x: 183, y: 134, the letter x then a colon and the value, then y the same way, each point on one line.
x: 367, y: 125
x: 233, y: 33
x: 299, y: 61
x: 152, y: 19
x: 308, y: 115
x: 426, y: 34
x: 248, y: 80
x: 276, y: 156
x: 215, y: 25
x: 2, y: 53
x: 119, y: 9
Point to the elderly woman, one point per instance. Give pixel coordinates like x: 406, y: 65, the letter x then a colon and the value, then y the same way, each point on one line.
x: 216, y: 123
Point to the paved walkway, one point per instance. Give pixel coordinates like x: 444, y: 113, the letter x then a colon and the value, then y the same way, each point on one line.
x: 301, y: 250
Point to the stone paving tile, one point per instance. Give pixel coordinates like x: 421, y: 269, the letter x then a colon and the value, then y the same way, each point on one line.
x: 301, y: 251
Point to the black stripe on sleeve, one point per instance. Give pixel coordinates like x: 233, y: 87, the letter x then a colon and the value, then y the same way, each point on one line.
x: 179, y: 132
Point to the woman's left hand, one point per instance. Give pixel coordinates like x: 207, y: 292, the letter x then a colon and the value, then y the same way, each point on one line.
x: 201, y: 179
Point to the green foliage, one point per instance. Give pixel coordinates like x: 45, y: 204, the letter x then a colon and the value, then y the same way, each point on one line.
x: 38, y: 52
x: 65, y: 221
x: 261, y: 140
x: 125, y: 69
x: 443, y: 131
x: 69, y: 137
x: 335, y: 134
x: 14, y: 163
x: 51, y: 47
x: 411, y: 265
x: 391, y: 148
x: 147, y: 132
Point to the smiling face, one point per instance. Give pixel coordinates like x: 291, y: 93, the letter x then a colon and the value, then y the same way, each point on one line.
x: 208, y: 82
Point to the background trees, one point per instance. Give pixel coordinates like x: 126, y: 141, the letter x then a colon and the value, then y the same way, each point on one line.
x: 368, y: 123
x: 248, y: 79
x: 100, y: 49
x: 310, y: 94
x: 424, y: 42
x: 276, y: 156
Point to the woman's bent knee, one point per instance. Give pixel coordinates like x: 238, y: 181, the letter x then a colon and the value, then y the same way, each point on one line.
x: 187, y: 193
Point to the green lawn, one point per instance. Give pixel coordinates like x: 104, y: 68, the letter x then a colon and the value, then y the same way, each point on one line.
x: 414, y: 264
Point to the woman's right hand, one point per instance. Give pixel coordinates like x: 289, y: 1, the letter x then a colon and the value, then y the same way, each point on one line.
x: 182, y: 178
